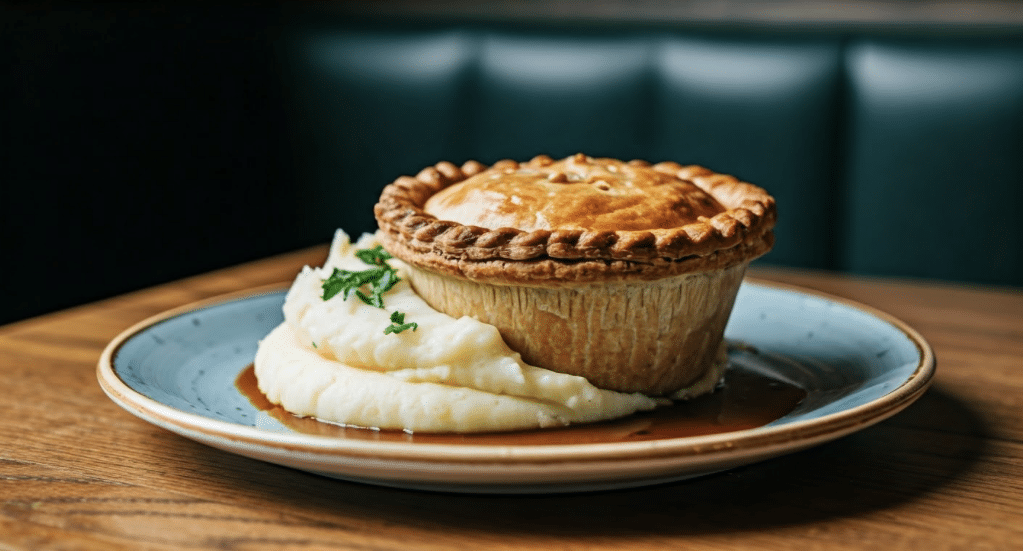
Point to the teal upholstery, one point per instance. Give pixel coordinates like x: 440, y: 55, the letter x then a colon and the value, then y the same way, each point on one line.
x: 932, y: 174
x: 765, y: 111
x: 888, y: 156
x: 147, y: 142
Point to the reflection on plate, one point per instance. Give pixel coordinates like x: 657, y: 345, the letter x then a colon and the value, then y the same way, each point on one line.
x: 811, y: 369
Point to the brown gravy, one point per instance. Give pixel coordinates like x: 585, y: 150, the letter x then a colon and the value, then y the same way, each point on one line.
x: 745, y: 401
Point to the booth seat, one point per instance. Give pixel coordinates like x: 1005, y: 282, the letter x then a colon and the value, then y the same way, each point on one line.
x: 145, y: 143
x: 888, y: 153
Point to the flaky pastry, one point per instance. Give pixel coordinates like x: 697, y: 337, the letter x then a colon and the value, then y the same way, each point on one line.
x: 536, y: 223
x: 621, y: 272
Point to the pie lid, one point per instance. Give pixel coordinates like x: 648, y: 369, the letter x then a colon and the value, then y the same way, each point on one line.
x: 576, y: 219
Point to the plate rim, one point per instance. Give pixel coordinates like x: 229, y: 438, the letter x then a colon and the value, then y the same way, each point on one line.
x: 788, y: 436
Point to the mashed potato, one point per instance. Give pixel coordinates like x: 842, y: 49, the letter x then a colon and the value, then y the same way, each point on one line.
x: 332, y: 360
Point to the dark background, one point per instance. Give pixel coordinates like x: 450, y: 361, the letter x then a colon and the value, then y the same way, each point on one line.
x: 139, y: 143
x: 146, y: 142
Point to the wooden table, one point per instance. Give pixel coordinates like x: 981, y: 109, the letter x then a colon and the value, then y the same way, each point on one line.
x: 78, y: 472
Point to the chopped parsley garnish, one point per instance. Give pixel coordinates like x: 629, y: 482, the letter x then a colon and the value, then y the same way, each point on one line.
x: 374, y: 256
x: 397, y: 325
x: 368, y: 284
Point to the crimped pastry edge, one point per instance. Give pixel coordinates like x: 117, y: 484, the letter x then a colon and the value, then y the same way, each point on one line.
x: 742, y: 232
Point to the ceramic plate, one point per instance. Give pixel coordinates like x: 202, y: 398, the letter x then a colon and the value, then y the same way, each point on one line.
x: 805, y: 369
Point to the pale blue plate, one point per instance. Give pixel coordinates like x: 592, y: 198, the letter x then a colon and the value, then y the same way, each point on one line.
x: 856, y: 365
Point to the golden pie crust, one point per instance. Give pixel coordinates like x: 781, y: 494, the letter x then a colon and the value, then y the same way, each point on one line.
x: 717, y: 221
x: 624, y: 273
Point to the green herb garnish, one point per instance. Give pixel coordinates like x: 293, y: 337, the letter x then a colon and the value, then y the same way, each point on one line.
x: 346, y: 282
x: 368, y: 284
x: 397, y: 325
x: 374, y: 256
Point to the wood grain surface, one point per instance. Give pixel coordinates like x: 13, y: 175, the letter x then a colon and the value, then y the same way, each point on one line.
x: 77, y: 472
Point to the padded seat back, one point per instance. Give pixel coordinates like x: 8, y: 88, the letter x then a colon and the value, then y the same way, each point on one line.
x: 886, y: 156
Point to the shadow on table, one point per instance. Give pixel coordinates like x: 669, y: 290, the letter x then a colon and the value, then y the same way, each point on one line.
x: 929, y: 444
